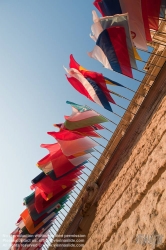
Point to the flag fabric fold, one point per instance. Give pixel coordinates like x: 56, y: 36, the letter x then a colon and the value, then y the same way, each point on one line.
x: 89, y: 88
x: 107, y: 40
x: 114, y: 7
x: 72, y: 143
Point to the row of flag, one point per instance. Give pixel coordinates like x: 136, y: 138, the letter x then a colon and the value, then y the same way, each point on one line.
x: 117, y: 35
x: 124, y: 27
x: 60, y: 171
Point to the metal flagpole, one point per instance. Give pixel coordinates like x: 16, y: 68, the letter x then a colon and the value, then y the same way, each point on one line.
x: 99, y: 129
x: 52, y: 233
x: 56, y: 225
x: 62, y: 214
x: 97, y: 150
x: 51, y: 237
x: 83, y: 179
x: 157, y: 32
x: 54, y: 229
x: 75, y: 192
x: 108, y: 129
x: 152, y: 53
x: 106, y: 117
x: 129, y: 77
x: 150, y: 64
x: 101, y: 136
x: 46, y: 242
x: 125, y: 109
x: 58, y: 222
x: 97, y: 142
x: 60, y: 218
x: 112, y: 92
x: 146, y: 74
x: 92, y: 164
x: 80, y: 182
x: 77, y: 187
x: 86, y: 173
x: 157, y: 43
x: 49, y: 240
x: 101, y: 115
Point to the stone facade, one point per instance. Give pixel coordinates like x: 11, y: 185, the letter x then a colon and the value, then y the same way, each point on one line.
x: 131, y: 214
x: 129, y: 210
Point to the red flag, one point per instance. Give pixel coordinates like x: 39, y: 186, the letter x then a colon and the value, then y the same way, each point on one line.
x: 57, y: 162
x: 96, y: 77
x: 41, y: 204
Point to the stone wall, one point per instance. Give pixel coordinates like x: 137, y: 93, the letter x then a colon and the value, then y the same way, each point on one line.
x: 131, y: 213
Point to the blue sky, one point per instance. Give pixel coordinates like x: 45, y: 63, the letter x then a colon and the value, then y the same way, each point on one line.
x: 36, y: 39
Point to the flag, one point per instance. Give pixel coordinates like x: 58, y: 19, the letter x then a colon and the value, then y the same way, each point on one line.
x: 114, y: 7
x: 83, y: 120
x: 72, y: 143
x: 136, y: 22
x: 48, y: 186
x: 86, y: 131
x: 95, y: 76
x: 79, y: 107
x: 41, y: 204
x: 108, y: 7
x: 152, y: 11
x: 30, y: 204
x: 29, y: 222
x: 113, y: 83
x: 102, y: 33
x: 89, y: 88
x: 58, y: 162
x: 53, y: 150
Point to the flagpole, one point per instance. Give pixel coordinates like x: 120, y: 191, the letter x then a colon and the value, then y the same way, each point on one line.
x: 150, y: 64
x: 85, y: 173
x: 80, y: 184
x: 157, y: 43
x: 75, y: 191
x: 97, y: 142
x: 49, y: 240
x: 129, y: 77
x: 60, y: 218
x: 108, y: 129
x: 56, y: 225
x: 62, y: 213
x: 102, y: 136
x: 125, y: 109
x: 46, y: 242
x: 101, y: 115
x: 97, y: 151
x: 152, y: 53
x: 82, y: 179
x: 124, y: 97
x: 145, y: 73
x: 94, y: 156
x: 54, y: 229
x: 90, y: 173
x: 58, y: 221
x: 52, y: 233
x: 92, y: 164
x: 77, y: 187
x: 157, y: 32
x: 65, y: 209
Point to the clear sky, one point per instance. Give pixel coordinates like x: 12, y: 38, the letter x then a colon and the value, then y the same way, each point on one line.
x: 36, y: 39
